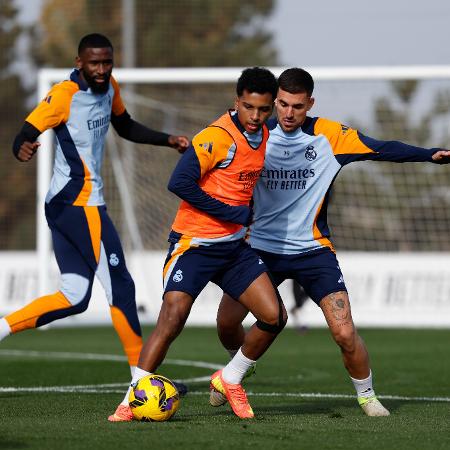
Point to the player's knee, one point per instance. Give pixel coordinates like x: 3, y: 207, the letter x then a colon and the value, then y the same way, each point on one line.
x: 76, y: 289
x: 123, y: 293
x: 226, y: 323
x: 345, y: 338
x: 223, y: 324
x: 274, y: 319
x: 274, y: 324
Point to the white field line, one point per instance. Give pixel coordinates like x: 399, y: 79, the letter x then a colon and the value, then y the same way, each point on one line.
x: 101, y: 357
x: 119, y: 387
x: 109, y: 389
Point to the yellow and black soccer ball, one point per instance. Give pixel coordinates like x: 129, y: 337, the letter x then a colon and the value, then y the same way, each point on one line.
x: 154, y: 398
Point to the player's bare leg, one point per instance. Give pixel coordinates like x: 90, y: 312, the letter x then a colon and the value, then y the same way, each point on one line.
x: 262, y: 300
x: 337, y: 312
x: 230, y: 330
x: 174, y: 312
x: 172, y: 317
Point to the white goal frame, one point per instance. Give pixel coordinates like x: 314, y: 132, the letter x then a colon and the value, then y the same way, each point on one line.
x: 47, y: 77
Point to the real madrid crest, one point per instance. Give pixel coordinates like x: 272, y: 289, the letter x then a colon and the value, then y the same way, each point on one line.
x: 310, y: 153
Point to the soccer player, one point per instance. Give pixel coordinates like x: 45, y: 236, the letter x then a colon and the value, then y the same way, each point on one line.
x: 290, y: 233
x: 215, y: 178
x: 86, y: 244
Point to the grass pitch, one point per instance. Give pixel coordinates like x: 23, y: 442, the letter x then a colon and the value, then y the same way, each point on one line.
x: 59, y: 385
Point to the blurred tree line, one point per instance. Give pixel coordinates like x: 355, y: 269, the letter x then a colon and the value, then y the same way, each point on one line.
x: 178, y: 33
x: 203, y: 33
x: 405, y: 207
x: 17, y: 186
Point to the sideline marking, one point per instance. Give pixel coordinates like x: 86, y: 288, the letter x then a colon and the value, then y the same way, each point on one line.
x: 109, y: 389
x: 117, y: 388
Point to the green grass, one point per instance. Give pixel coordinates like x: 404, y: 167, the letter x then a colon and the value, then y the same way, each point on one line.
x: 406, y: 363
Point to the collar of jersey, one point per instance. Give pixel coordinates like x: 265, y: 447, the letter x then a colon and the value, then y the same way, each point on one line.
x: 76, y: 78
x: 234, y: 118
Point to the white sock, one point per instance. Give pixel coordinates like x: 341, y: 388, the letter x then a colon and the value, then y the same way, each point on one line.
x: 132, y: 369
x: 5, y: 329
x: 235, y: 370
x: 364, y: 387
x: 232, y: 352
x: 137, y: 375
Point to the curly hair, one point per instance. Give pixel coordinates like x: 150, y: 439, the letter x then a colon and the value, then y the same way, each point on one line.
x: 257, y: 79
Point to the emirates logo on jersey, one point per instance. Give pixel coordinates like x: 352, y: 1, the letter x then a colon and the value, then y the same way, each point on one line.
x: 310, y: 153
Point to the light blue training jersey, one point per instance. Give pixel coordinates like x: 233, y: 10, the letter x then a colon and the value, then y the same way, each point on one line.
x: 291, y: 196
x: 80, y: 119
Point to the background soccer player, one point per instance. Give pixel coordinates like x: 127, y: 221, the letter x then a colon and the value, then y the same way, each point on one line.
x: 290, y: 231
x: 79, y: 110
x: 215, y: 178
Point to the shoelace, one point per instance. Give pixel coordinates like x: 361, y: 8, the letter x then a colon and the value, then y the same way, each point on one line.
x: 238, y: 394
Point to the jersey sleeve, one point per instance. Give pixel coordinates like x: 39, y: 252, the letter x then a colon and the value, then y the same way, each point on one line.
x: 118, y: 106
x: 211, y: 146
x: 54, y: 109
x: 350, y: 145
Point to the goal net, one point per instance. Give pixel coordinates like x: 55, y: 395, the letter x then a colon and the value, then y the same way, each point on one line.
x: 374, y: 207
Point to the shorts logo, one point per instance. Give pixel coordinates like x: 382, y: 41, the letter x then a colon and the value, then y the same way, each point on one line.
x: 260, y: 261
x: 113, y: 259
x: 178, y: 276
x: 310, y: 153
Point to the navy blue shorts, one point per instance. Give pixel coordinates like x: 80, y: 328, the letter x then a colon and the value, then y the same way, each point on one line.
x: 317, y: 271
x: 233, y: 266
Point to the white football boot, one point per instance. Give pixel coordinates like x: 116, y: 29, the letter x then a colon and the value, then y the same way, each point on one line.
x: 372, y: 407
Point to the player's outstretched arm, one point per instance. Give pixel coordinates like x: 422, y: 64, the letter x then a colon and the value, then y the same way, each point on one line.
x: 441, y: 156
x: 133, y: 131
x: 180, y: 143
x: 25, y: 144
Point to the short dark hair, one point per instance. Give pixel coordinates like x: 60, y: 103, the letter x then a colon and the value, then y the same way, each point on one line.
x: 94, y: 40
x: 295, y: 81
x: 257, y: 79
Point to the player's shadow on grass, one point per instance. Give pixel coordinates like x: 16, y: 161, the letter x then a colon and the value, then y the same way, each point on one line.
x: 335, y: 408
x: 302, y: 408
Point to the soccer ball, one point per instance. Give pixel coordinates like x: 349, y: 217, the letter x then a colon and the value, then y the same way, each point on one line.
x: 153, y: 398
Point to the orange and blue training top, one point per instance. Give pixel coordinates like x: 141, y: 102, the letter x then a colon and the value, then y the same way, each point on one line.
x: 215, y: 178
x: 291, y: 197
x: 80, y: 119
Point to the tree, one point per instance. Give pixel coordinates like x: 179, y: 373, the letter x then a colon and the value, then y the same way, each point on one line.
x: 169, y: 34
x: 406, y: 208
x: 17, y: 184
x: 182, y: 33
